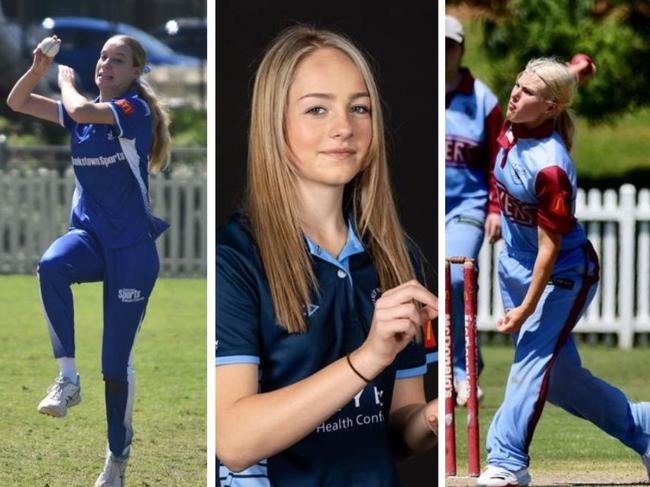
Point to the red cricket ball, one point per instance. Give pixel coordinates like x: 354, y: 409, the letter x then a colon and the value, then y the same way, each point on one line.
x: 578, y: 58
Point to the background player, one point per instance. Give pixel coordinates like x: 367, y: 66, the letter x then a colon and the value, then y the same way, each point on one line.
x: 472, y: 122
x: 548, y: 273
x: 316, y: 368
x: 115, y: 141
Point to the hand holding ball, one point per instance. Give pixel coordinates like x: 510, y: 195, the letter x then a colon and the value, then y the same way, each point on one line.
x: 582, y: 66
x: 49, y: 46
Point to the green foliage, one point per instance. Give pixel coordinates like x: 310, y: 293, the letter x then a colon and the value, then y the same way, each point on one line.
x: 618, y: 44
x: 169, y: 446
x: 189, y: 127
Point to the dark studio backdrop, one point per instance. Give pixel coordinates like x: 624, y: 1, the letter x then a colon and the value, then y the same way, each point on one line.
x: 401, y: 38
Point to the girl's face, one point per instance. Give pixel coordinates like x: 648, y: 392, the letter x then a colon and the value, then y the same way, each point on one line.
x: 526, y: 105
x: 115, y: 72
x: 328, y: 118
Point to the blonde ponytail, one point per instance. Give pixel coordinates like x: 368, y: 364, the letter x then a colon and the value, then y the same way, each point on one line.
x: 161, y: 140
x: 565, y: 127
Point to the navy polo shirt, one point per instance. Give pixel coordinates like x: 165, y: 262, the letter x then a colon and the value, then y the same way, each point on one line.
x: 351, y: 448
x: 111, y: 174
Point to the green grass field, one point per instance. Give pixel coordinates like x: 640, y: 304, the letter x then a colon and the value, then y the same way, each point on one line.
x: 169, y: 446
x: 563, y: 444
x: 606, y: 155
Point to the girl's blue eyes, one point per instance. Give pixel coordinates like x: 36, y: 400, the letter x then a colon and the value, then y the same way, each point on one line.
x: 316, y: 110
x: 357, y: 109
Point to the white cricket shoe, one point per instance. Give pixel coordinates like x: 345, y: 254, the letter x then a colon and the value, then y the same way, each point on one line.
x: 461, y: 386
x: 113, y: 473
x: 61, y: 395
x: 495, y: 476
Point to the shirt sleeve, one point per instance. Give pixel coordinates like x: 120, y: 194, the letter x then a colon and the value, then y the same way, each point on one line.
x: 131, y: 116
x: 493, y: 124
x: 554, y: 192
x: 237, y: 310
x: 65, y: 120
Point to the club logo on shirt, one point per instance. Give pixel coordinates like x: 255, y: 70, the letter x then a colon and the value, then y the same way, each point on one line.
x: 125, y: 106
x: 518, y: 175
x: 558, y: 204
x: 516, y: 210
x: 310, y: 309
x: 130, y: 295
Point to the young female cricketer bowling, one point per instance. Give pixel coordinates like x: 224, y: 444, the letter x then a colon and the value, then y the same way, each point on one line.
x: 548, y: 273
x: 116, y: 140
x: 317, y: 304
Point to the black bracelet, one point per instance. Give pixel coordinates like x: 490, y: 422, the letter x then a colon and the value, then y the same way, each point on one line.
x: 355, y: 370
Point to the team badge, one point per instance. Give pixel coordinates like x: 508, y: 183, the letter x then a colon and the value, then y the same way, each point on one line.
x: 558, y: 204
x: 125, y: 106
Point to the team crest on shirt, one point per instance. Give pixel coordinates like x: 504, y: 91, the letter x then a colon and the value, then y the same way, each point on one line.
x: 518, y: 175
x: 125, y: 106
x: 310, y: 309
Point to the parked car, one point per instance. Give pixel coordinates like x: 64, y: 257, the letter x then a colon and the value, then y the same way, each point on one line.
x: 188, y: 35
x: 82, y: 39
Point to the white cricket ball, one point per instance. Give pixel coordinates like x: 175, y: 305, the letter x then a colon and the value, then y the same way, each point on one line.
x: 49, y: 46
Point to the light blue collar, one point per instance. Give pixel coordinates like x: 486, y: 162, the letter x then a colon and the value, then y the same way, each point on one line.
x: 352, y: 246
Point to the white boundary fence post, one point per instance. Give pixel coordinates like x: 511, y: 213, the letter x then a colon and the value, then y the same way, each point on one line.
x: 627, y: 230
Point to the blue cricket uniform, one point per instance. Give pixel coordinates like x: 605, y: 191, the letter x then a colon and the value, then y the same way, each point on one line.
x: 472, y: 122
x: 111, y: 239
x: 351, y: 448
x: 536, y: 183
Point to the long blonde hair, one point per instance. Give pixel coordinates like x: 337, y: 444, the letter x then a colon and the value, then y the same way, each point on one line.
x: 270, y: 200
x: 161, y: 139
x: 559, y: 87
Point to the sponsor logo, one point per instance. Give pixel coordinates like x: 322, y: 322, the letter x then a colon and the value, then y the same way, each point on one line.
x: 355, y: 419
x: 99, y: 161
x: 125, y: 106
x: 130, y: 295
x: 461, y: 153
x: 517, y: 210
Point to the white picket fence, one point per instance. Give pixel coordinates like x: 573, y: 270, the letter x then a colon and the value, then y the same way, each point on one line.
x: 618, y: 225
x: 35, y: 209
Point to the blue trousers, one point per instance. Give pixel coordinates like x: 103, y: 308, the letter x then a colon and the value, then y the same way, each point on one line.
x: 463, y: 238
x: 128, y: 275
x: 547, y: 366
